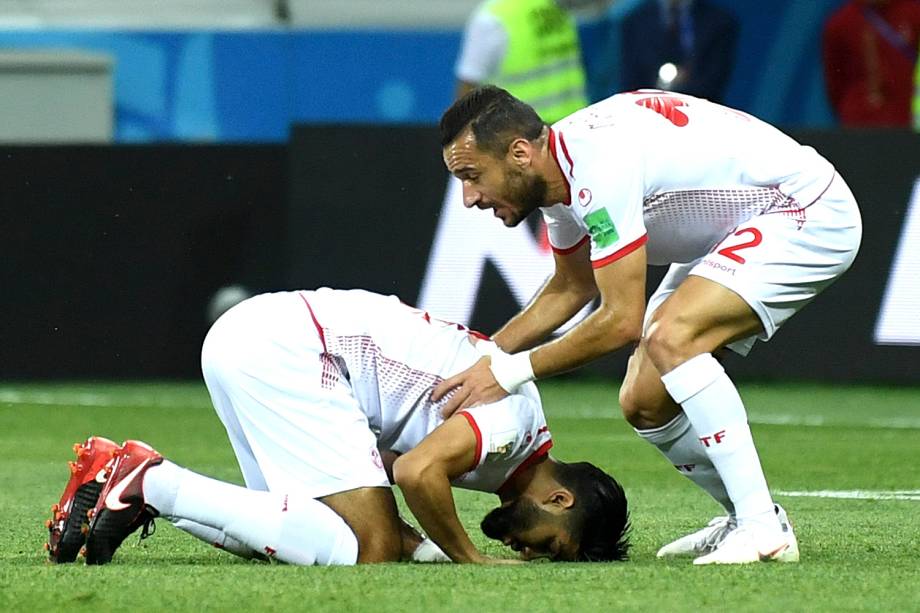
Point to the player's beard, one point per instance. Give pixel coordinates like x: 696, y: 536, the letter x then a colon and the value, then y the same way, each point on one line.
x: 519, y: 516
x: 527, y: 192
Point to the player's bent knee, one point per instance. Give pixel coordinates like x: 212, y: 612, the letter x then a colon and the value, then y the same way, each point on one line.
x: 669, y: 342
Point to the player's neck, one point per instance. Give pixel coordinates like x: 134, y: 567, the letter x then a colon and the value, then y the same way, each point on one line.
x: 536, y: 479
x: 557, y: 187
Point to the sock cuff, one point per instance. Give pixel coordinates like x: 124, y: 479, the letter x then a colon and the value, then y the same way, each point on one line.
x: 671, y: 431
x: 692, y: 377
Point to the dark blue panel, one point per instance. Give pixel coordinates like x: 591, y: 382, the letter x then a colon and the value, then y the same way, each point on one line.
x: 253, y: 85
x: 372, y: 76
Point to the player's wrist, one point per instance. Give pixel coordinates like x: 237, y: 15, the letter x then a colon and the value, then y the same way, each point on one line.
x: 511, y: 370
x: 487, y: 348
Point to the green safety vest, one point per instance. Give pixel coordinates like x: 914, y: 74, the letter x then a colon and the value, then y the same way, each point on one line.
x: 917, y: 99
x: 542, y: 65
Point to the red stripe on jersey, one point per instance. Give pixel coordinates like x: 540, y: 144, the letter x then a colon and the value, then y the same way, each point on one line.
x: 616, y: 255
x: 573, y: 248
x: 478, y: 434
x: 531, y: 459
x: 330, y: 374
x: 481, y: 336
x: 319, y: 328
x: 552, y: 150
x: 565, y: 152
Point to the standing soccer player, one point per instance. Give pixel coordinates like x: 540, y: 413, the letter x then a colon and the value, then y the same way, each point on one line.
x: 753, y: 225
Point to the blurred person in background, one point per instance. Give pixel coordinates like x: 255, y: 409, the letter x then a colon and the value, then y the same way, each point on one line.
x: 916, y: 104
x: 529, y: 47
x: 679, y: 45
x: 870, y: 54
x: 532, y: 49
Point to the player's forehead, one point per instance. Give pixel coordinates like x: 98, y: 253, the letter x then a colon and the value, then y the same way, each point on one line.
x: 462, y: 153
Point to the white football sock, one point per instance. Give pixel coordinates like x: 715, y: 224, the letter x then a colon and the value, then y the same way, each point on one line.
x: 215, y: 537
x: 714, y: 408
x: 681, y: 445
x: 288, y: 527
x: 428, y: 551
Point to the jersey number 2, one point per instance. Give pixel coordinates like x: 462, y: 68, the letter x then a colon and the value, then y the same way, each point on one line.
x: 729, y: 252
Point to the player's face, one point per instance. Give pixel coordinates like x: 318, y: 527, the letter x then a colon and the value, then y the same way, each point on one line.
x: 530, y: 529
x: 506, y: 185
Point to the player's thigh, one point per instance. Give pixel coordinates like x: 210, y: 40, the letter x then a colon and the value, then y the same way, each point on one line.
x: 700, y: 316
x: 373, y: 516
x: 778, y: 263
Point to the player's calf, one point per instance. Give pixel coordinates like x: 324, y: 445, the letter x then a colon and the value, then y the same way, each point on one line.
x: 372, y: 515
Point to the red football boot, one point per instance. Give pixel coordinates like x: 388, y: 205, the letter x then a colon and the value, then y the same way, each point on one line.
x: 68, y: 524
x: 120, y: 508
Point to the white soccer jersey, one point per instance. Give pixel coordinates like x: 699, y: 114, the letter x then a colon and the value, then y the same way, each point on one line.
x: 393, y: 356
x: 674, y: 172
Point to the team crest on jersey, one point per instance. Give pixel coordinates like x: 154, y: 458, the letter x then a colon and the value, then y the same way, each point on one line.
x: 501, y: 443
x: 584, y: 196
x: 601, y: 228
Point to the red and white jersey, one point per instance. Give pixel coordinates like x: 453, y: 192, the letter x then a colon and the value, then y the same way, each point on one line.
x: 675, y: 173
x: 394, y: 355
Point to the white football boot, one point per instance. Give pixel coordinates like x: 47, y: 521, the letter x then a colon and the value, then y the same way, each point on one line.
x: 702, y: 541
x: 745, y: 545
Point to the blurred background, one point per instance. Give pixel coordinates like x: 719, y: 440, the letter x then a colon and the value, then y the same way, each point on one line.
x: 161, y: 160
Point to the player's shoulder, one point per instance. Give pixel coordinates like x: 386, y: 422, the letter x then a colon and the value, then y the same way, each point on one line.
x: 610, y: 126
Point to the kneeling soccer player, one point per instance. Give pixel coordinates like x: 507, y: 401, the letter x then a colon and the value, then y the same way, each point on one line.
x: 325, y: 396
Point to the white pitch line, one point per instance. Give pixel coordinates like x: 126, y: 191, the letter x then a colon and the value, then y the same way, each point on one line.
x: 855, y: 494
x: 87, y: 399
x: 765, y: 419
x: 140, y: 400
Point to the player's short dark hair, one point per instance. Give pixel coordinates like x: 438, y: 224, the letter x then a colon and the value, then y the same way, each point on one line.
x: 496, y: 118
x: 600, y: 516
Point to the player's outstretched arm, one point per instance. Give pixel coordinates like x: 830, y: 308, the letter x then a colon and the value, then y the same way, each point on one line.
x: 570, y: 288
x: 567, y: 291
x: 424, y: 474
x: 615, y: 323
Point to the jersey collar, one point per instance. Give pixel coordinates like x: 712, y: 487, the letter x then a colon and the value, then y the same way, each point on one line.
x: 556, y: 144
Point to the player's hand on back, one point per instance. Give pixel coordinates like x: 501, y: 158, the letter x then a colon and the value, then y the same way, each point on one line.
x: 474, y: 386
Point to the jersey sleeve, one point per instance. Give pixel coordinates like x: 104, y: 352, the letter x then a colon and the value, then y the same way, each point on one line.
x: 498, y: 429
x: 563, y: 231
x: 608, y: 196
x: 484, y: 45
x: 508, y: 433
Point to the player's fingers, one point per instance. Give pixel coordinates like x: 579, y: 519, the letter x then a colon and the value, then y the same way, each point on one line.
x: 472, y: 400
x: 454, y: 404
x: 443, y: 388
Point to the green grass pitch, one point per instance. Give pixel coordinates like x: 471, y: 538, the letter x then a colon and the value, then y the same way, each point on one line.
x: 857, y: 554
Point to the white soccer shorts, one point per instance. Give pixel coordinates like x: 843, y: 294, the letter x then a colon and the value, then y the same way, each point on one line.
x: 778, y: 262
x: 262, y: 365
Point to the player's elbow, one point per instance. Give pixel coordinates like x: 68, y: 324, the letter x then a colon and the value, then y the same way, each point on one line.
x: 629, y: 329
x: 622, y: 326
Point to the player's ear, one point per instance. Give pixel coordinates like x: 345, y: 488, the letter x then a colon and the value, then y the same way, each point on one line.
x: 520, y: 152
x: 561, y: 498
